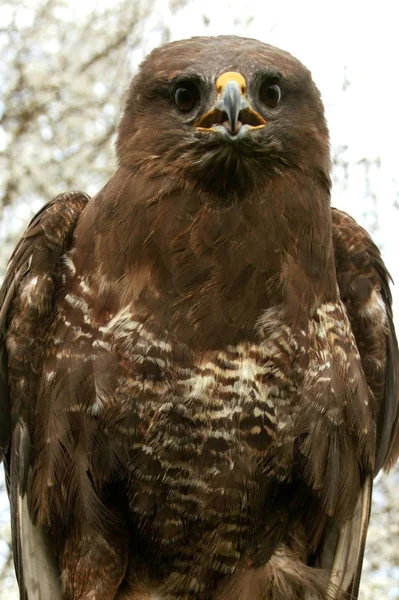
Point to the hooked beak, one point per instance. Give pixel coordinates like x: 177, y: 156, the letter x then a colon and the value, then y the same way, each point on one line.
x: 232, y: 109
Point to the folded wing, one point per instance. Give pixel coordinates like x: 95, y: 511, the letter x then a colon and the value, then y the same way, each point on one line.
x: 28, y: 293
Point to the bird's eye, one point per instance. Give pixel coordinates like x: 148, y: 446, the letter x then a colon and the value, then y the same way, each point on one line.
x: 187, y: 96
x: 270, y: 94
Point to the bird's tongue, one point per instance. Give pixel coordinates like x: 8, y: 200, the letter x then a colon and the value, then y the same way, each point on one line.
x: 234, y: 131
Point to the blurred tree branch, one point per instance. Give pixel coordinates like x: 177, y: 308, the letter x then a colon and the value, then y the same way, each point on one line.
x: 64, y: 69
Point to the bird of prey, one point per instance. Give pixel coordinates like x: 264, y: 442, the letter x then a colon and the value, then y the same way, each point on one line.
x: 199, y: 369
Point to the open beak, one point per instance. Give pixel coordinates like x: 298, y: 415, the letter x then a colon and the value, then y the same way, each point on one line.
x: 232, y: 109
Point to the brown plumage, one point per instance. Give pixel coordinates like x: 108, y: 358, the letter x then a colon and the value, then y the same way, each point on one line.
x: 199, y: 366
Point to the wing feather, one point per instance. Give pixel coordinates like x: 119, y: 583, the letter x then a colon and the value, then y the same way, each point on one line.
x: 364, y: 287
x: 38, y: 254
x: 347, y: 548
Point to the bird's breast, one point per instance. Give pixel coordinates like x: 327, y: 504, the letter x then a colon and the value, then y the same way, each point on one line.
x: 208, y: 434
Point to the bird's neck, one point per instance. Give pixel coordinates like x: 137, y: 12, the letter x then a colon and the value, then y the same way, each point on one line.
x: 210, y: 271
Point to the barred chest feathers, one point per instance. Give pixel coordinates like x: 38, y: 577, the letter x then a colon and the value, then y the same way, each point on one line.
x: 203, y: 428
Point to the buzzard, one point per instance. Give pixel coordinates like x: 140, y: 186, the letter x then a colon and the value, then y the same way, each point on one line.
x: 199, y: 369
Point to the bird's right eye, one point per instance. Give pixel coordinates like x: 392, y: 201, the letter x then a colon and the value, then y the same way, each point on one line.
x: 187, y: 96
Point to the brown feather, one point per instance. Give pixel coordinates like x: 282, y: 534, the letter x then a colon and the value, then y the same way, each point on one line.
x: 202, y: 356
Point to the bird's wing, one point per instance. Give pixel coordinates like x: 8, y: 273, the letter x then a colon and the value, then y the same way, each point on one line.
x: 32, y: 275
x: 364, y: 288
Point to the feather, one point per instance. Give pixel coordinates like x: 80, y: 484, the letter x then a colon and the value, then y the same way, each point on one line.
x: 349, y: 550
x: 36, y: 566
x: 199, y: 369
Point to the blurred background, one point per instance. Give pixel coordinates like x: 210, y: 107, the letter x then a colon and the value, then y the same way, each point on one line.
x: 64, y: 69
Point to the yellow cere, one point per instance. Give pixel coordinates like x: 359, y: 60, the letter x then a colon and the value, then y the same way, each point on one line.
x: 225, y: 78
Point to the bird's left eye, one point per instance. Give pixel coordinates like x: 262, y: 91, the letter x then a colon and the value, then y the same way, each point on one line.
x: 270, y: 94
x: 187, y: 96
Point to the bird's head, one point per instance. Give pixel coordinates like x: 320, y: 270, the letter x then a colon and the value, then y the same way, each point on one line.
x: 227, y: 113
